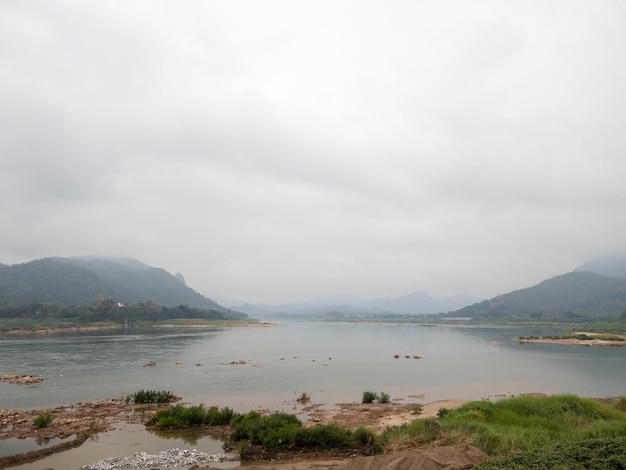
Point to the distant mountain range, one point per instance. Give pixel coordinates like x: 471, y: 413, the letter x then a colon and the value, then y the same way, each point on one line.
x: 596, y: 287
x: 80, y: 281
x: 418, y: 302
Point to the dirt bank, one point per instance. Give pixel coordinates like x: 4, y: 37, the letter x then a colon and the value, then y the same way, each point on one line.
x: 436, y: 458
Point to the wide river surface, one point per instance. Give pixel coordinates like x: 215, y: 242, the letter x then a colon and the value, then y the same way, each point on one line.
x: 268, y: 367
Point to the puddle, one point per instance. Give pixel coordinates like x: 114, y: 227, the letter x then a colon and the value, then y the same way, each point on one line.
x: 123, y: 441
x: 21, y: 446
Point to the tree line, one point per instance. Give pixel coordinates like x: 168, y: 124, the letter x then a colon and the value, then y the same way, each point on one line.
x: 110, y: 311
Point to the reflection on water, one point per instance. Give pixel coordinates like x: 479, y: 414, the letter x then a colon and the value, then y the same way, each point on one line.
x: 123, y: 442
x: 331, y: 362
x: 270, y: 367
x: 21, y: 446
x: 188, y: 436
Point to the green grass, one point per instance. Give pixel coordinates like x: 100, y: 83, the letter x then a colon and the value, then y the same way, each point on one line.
x: 530, y: 423
x: 415, y: 434
x: 515, y: 431
x: 597, y: 454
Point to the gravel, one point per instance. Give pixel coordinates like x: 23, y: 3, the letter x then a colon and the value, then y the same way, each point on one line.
x: 165, y: 459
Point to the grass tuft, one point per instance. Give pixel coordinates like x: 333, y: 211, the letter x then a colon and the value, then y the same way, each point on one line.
x: 43, y: 420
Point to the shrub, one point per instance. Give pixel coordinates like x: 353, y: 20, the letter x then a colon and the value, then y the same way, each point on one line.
x: 217, y: 417
x: 304, y: 398
x: 43, y: 420
x: 151, y: 396
x: 258, y: 428
x: 179, y: 416
x: 384, y: 398
x: 365, y: 437
x: 369, y: 397
x: 324, y: 436
x: 285, y: 430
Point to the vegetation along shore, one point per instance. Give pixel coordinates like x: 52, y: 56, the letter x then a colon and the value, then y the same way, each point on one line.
x: 508, y: 433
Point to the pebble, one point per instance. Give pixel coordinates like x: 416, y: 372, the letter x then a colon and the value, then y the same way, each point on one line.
x: 165, y: 459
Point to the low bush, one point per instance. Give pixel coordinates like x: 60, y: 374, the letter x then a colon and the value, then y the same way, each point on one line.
x: 179, y: 416
x: 150, y: 396
x: 280, y: 430
x: 266, y: 430
x: 365, y: 436
x: 43, y: 420
x: 219, y: 417
x: 369, y: 397
x: 304, y: 398
x: 324, y: 437
x: 384, y: 397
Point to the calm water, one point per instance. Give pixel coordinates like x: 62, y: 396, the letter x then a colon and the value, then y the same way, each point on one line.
x: 331, y: 362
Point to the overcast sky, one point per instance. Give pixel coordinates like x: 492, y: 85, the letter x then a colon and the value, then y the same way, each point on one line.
x: 276, y: 151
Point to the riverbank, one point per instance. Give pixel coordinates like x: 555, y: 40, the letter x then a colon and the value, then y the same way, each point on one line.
x: 179, y: 324
x: 95, y: 417
x: 77, y: 422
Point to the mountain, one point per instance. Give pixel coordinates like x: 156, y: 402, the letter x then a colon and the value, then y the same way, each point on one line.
x: 419, y: 302
x: 575, y: 293
x: 614, y: 265
x: 79, y: 281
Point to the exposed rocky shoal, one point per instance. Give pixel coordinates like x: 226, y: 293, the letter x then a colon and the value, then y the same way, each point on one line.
x: 21, y: 379
x: 165, y: 459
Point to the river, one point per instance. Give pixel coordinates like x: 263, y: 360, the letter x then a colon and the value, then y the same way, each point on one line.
x: 267, y: 367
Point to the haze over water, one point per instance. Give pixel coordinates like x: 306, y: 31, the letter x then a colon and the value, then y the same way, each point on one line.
x: 331, y: 362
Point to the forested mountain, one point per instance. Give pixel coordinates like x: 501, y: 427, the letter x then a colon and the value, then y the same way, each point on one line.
x: 79, y: 281
x: 570, y: 295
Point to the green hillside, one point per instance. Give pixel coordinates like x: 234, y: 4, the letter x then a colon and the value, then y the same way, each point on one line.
x: 79, y: 281
x: 568, y: 295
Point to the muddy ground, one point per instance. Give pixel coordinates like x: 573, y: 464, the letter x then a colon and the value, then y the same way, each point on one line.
x: 89, y: 418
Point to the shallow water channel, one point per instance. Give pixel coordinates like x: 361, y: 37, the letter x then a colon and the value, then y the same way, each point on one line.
x: 123, y: 441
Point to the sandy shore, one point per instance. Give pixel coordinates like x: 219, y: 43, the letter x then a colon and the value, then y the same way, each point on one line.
x: 575, y: 341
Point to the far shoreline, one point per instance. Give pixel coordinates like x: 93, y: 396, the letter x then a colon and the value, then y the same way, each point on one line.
x: 90, y: 328
x: 591, y: 340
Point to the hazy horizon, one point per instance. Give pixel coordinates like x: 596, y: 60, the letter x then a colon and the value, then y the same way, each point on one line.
x: 279, y: 151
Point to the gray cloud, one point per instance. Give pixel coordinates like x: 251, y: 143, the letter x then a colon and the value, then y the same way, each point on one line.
x: 278, y: 151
